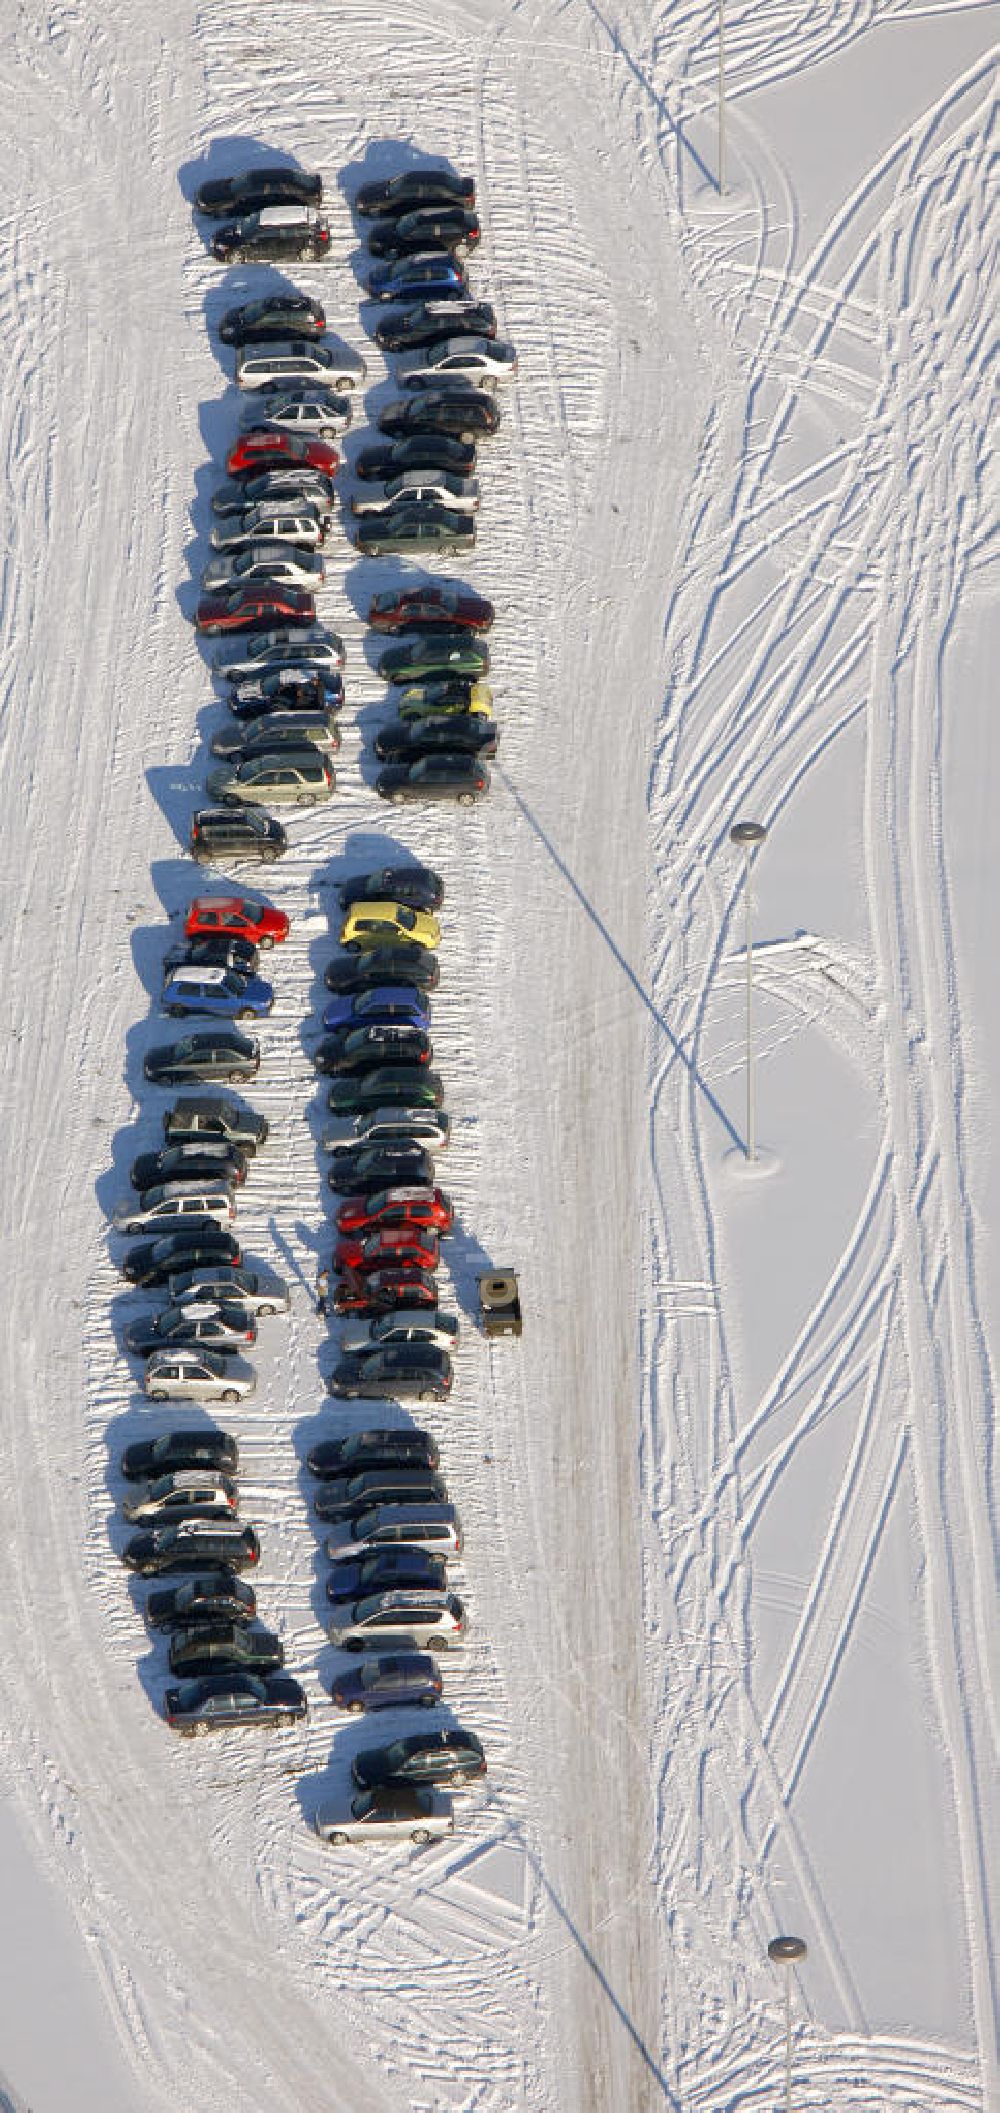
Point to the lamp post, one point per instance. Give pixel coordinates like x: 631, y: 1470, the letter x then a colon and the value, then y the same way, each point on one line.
x: 786, y: 1952
x: 748, y: 835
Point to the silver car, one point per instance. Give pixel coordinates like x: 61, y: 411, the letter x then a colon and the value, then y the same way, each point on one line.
x: 313, y: 647
x: 326, y: 359
x: 429, y: 1127
x: 266, y: 559
x: 399, y: 1620
x: 404, y: 1325
x: 464, y: 359
x: 176, y: 1496
x: 285, y: 778
x: 394, y: 1812
x: 314, y: 413
x: 279, y: 730
x: 437, y: 487
x: 276, y: 524
x: 198, y: 1375
x: 176, y: 1202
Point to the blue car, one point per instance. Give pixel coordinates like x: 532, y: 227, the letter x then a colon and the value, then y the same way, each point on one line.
x: 431, y: 276
x: 384, y: 1002
x: 389, y: 1683
x: 197, y: 987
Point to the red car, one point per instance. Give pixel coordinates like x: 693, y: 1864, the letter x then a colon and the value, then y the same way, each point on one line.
x: 418, y: 1206
x: 261, y: 449
x: 384, y: 1290
x: 235, y: 917
x: 256, y: 606
x: 430, y: 609
x: 404, y: 1244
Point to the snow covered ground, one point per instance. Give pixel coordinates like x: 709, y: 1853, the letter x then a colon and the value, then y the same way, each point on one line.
x: 729, y: 1505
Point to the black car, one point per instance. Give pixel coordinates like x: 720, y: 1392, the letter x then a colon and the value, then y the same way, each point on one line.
x: 464, y: 733
x: 422, y: 529
x: 196, y: 1162
x: 362, y: 1048
x: 374, y: 1448
x: 409, y: 1084
x: 426, y: 322
x: 417, y: 886
x: 372, y: 1167
x: 150, y: 1457
x: 441, y: 654
x: 402, y: 1569
x: 224, y: 1700
x: 230, y: 1330
x: 455, y: 409
x: 203, y: 1116
x: 277, y: 316
x: 227, y: 834
x: 451, y: 228
x: 415, y: 188
x: 193, y: 1544
x: 420, y: 451
x: 393, y: 1372
x: 214, y: 1053
x: 273, y: 235
x: 406, y: 962
x: 210, y: 1595
x: 252, y: 189
x: 285, y: 692
x: 154, y: 1262
x: 239, y: 954
x: 220, y: 1646
x: 346, y: 1496
x: 447, y: 776
x: 450, y: 1755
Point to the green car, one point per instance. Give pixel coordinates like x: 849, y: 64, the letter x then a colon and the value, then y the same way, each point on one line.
x: 389, y: 1085
x: 450, y: 653
x: 409, y: 531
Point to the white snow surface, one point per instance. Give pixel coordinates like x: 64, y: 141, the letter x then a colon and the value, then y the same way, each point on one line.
x: 729, y: 1503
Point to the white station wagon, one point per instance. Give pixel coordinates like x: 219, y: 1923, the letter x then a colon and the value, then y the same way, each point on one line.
x: 198, y: 1375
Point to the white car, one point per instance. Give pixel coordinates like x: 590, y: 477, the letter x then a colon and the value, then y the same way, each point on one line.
x: 276, y: 524
x: 437, y: 487
x: 305, y: 651
x: 429, y: 1127
x: 198, y: 1375
x: 265, y: 560
x: 399, y: 1620
x: 393, y: 1812
x: 197, y: 1489
x: 311, y: 412
x: 326, y: 359
x: 405, y: 1325
x: 466, y: 359
x: 177, y: 1201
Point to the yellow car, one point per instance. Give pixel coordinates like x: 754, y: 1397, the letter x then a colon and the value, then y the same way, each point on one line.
x: 420, y: 699
x: 384, y: 923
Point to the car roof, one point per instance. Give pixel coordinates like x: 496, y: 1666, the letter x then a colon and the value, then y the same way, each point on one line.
x: 197, y: 972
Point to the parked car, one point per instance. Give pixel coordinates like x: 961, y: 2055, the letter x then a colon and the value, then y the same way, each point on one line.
x: 436, y: 1527
x: 416, y: 451
x: 205, y: 1116
x: 293, y: 490
x: 219, y: 952
x: 416, y: 885
x: 253, y: 189
x: 224, y: 1646
x: 380, y: 1005
x: 460, y: 733
x: 398, y: 1620
x: 273, y: 235
x: 394, y: 1569
x: 413, y: 188
x: 377, y: 1166
x: 282, y: 777
x: 393, y: 1372
x: 391, y: 1127
x: 153, y: 1262
x: 374, y: 1448
x: 344, y: 1496
x: 425, y: 488
x: 222, y: 1701
x: 411, y: 1203
x: 358, y: 1048
x: 217, y: 834
x: 268, y: 559
x: 325, y: 359
x: 174, y: 1451
x: 214, y: 1053
x: 301, y: 408
x: 273, y: 731
x: 397, y: 1680
x: 261, y: 1294
x: 198, y: 1375
x: 389, y: 1082
x: 423, y: 1327
x: 275, y: 316
x: 430, y: 608
x: 267, y: 448
x: 444, y: 776
x: 270, y: 522
x: 382, y: 1289
x: 452, y: 695
x: 176, y: 1496
x: 210, y: 1595
x: 219, y: 991
x: 426, y: 322
x: 385, y: 1815
x: 410, y: 531
x: 171, y: 1206
x: 396, y: 1245
x: 273, y: 696
x: 369, y: 924
x: 314, y: 652
x: 460, y: 358
x: 253, y: 605
x: 228, y: 1330
x: 454, y: 228
x: 442, y: 654
x: 235, y: 917
x: 449, y: 1755
x: 433, y: 274
x: 402, y: 961
x: 193, y: 1544
x: 189, y: 1162
x: 453, y: 407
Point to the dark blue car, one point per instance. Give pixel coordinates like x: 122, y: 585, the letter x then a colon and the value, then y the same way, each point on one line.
x: 402, y: 1569
x: 389, y: 1683
x: 383, y: 1003
x: 424, y: 278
